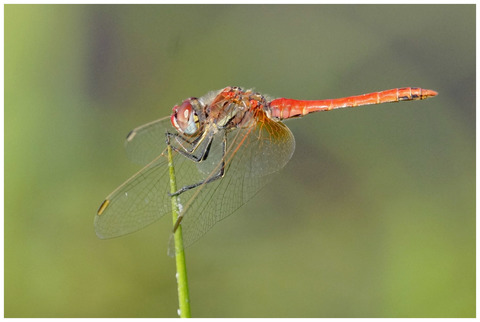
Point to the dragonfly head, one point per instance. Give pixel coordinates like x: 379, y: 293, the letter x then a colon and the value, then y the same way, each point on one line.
x: 185, y: 117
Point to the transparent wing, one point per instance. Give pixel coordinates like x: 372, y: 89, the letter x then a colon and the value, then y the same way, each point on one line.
x: 144, y: 198
x: 252, y: 156
x: 138, y: 202
x: 146, y: 142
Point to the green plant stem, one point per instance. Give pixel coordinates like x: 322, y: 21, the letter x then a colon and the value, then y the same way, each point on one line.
x: 182, y: 282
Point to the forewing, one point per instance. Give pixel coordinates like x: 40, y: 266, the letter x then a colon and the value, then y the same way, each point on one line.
x: 144, y: 198
x: 146, y: 142
x: 137, y: 203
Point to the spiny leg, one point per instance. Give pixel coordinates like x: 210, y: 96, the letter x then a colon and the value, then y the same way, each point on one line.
x: 195, y: 145
x: 217, y: 176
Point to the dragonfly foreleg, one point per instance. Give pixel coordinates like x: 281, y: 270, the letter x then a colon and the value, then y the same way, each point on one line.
x: 217, y: 176
x: 201, y: 144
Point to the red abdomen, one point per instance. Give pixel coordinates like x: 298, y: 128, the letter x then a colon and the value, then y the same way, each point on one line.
x: 284, y: 108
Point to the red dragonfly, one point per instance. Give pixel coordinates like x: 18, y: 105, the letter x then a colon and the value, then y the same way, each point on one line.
x: 227, y: 145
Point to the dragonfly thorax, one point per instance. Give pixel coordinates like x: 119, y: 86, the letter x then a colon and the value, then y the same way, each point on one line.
x: 234, y: 107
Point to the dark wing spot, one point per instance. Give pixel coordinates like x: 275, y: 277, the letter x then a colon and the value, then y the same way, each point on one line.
x: 131, y: 135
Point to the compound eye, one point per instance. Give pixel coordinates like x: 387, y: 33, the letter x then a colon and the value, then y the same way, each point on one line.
x: 185, y: 119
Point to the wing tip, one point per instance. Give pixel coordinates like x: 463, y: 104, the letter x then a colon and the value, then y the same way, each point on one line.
x: 103, y: 206
x: 131, y: 135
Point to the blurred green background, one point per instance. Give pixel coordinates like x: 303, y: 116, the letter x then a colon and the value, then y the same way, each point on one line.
x: 374, y: 216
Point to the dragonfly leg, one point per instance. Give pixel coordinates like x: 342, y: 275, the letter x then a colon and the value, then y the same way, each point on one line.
x: 217, y: 176
x: 195, y: 146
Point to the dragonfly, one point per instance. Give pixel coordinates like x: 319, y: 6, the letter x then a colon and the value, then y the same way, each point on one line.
x: 226, y: 146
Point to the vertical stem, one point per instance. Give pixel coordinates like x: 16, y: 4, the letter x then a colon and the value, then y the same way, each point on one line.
x: 182, y: 282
